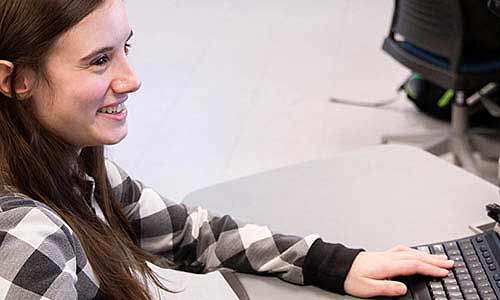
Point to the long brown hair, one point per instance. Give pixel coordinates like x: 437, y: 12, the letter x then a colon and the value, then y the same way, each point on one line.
x: 39, y: 164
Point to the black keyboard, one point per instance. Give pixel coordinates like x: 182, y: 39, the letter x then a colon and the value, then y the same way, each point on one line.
x: 475, y: 276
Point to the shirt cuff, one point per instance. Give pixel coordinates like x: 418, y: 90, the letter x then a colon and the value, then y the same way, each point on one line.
x: 326, y: 265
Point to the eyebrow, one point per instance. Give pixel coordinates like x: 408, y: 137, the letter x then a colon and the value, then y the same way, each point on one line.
x: 104, y: 49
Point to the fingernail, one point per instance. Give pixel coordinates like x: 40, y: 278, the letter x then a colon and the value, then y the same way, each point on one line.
x: 402, y: 288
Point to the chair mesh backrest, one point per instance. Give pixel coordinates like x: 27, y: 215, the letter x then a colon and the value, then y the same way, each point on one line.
x: 433, y: 25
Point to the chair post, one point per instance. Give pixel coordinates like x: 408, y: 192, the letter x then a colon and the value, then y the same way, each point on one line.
x: 460, y: 114
x: 459, y: 143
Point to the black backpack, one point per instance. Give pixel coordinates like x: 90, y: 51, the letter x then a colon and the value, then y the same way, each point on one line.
x: 436, y: 102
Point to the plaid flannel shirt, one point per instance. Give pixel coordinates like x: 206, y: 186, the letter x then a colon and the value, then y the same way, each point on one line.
x: 41, y: 258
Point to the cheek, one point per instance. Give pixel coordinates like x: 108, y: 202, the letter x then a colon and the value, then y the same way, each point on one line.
x: 75, y: 100
x: 80, y: 100
x: 91, y: 94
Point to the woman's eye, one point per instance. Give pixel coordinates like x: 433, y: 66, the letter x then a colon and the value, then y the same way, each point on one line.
x: 104, y: 59
x: 127, y: 48
x: 101, y: 60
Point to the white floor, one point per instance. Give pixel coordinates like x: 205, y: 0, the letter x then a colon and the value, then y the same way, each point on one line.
x: 232, y: 88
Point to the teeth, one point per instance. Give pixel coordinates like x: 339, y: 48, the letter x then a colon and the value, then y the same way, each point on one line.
x: 114, y: 109
x: 120, y: 107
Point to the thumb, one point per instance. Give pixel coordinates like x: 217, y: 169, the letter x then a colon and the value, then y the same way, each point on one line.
x: 387, y: 288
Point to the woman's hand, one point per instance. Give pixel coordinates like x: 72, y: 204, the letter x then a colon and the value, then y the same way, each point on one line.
x: 370, y: 271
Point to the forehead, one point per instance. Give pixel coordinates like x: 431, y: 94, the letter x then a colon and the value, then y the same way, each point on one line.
x: 104, y: 27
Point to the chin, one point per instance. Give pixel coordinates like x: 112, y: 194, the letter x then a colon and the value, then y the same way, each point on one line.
x: 113, y: 137
x: 115, y: 140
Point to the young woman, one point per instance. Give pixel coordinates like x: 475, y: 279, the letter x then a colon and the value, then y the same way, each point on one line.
x: 75, y: 226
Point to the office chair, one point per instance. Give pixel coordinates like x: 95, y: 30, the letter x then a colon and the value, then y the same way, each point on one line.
x: 427, y: 36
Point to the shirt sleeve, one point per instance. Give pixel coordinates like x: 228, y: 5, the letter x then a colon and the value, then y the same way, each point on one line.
x: 37, y: 257
x: 327, y: 265
x: 198, y: 241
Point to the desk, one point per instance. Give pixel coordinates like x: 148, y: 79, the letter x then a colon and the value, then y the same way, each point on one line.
x: 373, y: 198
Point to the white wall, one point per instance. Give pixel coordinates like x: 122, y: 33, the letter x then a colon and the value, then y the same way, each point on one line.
x: 231, y: 88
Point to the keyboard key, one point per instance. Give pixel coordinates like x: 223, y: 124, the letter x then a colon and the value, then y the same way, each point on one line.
x: 416, y: 284
x: 456, y: 258
x: 496, y: 277
x: 453, y: 252
x: 451, y: 274
x: 465, y: 245
x: 473, y: 266
x: 476, y: 272
x: 466, y: 284
x: 489, y: 260
x: 492, y: 267
x: 469, y: 252
x: 490, y: 297
x: 455, y: 294
x: 438, y: 294
x: 471, y: 297
x: 486, y: 291
x: 461, y: 271
x: 483, y: 285
x: 483, y: 248
x: 449, y: 281
x: 450, y: 246
x: 481, y: 279
x: 437, y: 249
x: 452, y: 288
x: 470, y: 291
x: 470, y: 259
x: 463, y: 277
x: 435, y: 285
x: 479, y: 239
x: 424, y: 249
x: 486, y: 254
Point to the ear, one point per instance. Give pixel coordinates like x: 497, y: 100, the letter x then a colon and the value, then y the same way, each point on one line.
x: 22, y: 85
x: 6, y: 68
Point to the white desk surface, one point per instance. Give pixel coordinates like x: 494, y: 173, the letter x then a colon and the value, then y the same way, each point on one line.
x: 373, y: 198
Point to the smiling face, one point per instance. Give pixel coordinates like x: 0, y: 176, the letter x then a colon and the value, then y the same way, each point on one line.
x: 88, y: 79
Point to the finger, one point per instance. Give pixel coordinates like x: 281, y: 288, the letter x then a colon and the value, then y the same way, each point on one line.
x: 401, y: 248
x: 412, y: 267
x: 442, y: 256
x: 384, y: 288
x: 437, y: 260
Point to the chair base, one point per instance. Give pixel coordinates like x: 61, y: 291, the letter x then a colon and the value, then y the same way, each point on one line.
x: 461, y: 142
x: 462, y: 147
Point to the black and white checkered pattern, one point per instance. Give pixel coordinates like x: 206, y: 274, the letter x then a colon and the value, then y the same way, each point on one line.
x: 41, y: 258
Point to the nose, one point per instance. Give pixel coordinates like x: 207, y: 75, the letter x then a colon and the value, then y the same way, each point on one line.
x: 126, y: 80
